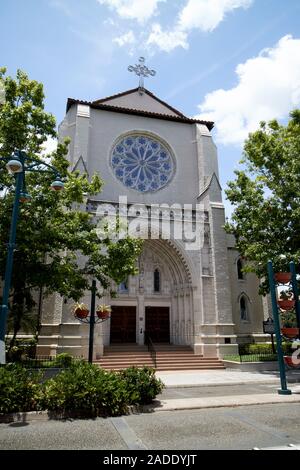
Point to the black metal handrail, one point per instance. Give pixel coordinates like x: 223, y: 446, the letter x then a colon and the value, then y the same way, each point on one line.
x: 151, y: 348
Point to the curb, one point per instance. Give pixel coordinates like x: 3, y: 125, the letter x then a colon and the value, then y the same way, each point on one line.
x: 219, y: 402
x: 224, y: 384
x: 163, y: 405
x: 28, y: 416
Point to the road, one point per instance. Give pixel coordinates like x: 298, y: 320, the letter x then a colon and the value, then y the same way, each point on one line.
x: 243, y: 427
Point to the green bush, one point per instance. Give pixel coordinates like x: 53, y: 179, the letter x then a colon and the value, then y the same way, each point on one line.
x: 82, y: 389
x: 63, y: 360
x: 86, y: 390
x: 262, y: 348
x: 22, y: 349
x: 142, y: 384
x: 19, y: 389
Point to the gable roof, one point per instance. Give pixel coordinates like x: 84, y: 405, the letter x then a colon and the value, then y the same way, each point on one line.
x: 135, y: 90
x: 212, y: 178
x: 80, y: 163
x: 101, y: 105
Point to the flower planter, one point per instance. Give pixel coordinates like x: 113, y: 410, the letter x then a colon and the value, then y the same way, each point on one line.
x: 79, y: 313
x: 290, y: 332
x: 283, y: 278
x: 286, y: 304
x: 103, y: 315
x: 289, y: 361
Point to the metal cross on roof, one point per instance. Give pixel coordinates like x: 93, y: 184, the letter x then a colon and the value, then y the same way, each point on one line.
x: 141, y: 70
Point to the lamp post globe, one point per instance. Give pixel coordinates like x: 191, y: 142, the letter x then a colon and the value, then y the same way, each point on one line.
x: 14, y: 166
x: 25, y: 197
x: 18, y: 165
x: 57, y: 185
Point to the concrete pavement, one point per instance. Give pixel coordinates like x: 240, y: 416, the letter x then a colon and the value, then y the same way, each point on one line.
x: 209, y: 389
x: 202, y: 378
x: 226, y: 379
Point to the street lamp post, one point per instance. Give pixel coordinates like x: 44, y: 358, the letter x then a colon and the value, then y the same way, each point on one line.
x: 18, y: 165
x: 92, y: 320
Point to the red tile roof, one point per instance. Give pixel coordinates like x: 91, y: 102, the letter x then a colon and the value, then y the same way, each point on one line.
x: 134, y: 90
x: 137, y: 112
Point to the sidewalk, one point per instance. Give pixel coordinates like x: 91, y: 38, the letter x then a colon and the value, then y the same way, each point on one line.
x: 204, y: 378
x: 186, y: 379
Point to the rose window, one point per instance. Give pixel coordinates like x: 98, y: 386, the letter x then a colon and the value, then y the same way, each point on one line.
x: 142, y: 163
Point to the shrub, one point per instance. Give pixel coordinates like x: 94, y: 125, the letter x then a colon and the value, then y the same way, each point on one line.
x: 63, y: 360
x: 22, y: 349
x: 87, y: 390
x: 142, y: 384
x: 19, y: 389
x: 83, y: 389
x: 262, y: 348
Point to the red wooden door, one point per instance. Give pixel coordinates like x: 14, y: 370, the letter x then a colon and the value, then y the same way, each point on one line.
x: 158, y: 324
x: 123, y: 325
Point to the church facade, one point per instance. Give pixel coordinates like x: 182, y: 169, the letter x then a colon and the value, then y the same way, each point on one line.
x: 160, y: 170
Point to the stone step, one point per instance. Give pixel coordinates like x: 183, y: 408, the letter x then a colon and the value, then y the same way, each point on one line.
x: 177, y: 357
x: 161, y: 364
x: 159, y: 360
x: 158, y: 347
x: 166, y: 368
x: 168, y: 357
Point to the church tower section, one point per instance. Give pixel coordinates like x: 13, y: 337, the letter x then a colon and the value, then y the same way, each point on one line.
x: 217, y: 327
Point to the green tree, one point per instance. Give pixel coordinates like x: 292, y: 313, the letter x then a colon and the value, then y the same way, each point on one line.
x: 266, y: 198
x: 53, y: 228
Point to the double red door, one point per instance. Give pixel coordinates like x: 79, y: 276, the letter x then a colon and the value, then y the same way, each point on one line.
x: 158, y: 324
x: 123, y: 325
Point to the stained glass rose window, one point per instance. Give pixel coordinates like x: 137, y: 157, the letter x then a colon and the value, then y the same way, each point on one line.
x: 142, y: 163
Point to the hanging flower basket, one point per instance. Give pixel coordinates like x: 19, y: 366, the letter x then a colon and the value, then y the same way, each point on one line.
x: 79, y: 313
x: 283, y: 278
x: 286, y: 304
x: 290, y: 332
x: 290, y: 362
x: 80, y: 310
x: 103, y: 311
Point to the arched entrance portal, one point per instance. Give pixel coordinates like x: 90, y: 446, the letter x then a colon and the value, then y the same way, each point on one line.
x: 159, y: 300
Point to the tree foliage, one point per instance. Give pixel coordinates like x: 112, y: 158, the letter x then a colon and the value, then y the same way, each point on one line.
x: 266, y: 197
x: 54, y: 229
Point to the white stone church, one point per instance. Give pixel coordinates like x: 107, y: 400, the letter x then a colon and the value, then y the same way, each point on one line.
x: 152, y: 155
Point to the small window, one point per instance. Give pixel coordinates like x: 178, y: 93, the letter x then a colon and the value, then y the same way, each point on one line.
x: 156, y: 280
x: 240, y: 269
x: 123, y: 287
x: 243, y: 309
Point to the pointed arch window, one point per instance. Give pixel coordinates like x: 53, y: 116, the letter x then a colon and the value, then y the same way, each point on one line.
x: 239, y: 266
x: 123, y: 286
x: 243, y: 309
x: 156, y: 280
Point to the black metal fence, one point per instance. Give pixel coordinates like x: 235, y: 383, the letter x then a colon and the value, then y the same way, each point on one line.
x: 45, y: 362
x: 264, y: 357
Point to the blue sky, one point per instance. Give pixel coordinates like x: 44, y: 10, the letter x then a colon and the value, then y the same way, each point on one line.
x: 232, y: 61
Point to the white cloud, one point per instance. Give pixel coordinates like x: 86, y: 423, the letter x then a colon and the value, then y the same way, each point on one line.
x: 268, y: 87
x: 140, y: 10
x: 204, y: 15
x: 125, y: 39
x: 49, y: 146
x: 167, y: 41
x: 2, y: 93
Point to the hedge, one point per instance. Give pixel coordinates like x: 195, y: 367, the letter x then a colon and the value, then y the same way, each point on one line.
x: 83, y: 390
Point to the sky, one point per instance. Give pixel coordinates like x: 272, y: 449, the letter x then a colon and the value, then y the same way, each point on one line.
x: 235, y: 62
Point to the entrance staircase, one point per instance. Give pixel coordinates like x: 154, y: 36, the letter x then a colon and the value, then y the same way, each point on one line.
x: 168, y: 357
